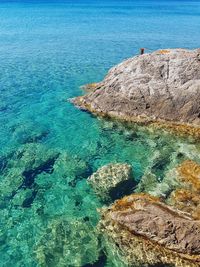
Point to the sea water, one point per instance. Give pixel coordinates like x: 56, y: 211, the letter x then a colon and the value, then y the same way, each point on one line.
x: 48, y: 147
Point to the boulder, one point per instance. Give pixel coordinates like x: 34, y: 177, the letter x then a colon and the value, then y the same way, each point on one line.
x: 162, y: 87
x: 147, y: 232
x: 112, y: 181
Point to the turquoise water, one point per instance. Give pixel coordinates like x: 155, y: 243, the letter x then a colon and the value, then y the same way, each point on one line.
x: 48, y: 148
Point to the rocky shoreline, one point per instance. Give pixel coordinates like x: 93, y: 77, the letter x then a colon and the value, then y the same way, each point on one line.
x: 158, y: 223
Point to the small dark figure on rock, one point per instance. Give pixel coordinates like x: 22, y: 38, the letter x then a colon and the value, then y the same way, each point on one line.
x: 141, y: 51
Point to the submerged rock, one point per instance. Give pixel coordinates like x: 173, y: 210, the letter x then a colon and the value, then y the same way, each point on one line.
x: 112, y: 181
x: 187, y: 196
x: 160, y: 87
x: 68, y: 243
x: 147, y: 232
x: 189, y: 175
x: 29, y: 133
x: 23, y: 166
x: 184, y: 176
x: 71, y: 168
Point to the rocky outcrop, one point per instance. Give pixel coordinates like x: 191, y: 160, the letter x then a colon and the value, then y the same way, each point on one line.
x: 147, y: 232
x: 162, y: 226
x: 161, y: 87
x: 112, y: 181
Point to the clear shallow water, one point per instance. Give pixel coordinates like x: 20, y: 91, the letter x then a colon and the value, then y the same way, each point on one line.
x: 48, y: 147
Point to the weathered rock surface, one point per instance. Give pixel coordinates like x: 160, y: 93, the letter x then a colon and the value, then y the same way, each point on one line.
x: 187, y: 196
x: 189, y: 175
x: 112, y: 181
x: 148, y: 232
x: 180, y: 187
x: 163, y: 86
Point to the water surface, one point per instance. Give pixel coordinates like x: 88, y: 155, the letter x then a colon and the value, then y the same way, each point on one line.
x: 48, y: 148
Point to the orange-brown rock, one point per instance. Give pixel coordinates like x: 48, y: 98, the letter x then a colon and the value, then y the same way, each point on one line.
x: 148, y: 232
x: 187, y: 197
x: 187, y: 201
x: 189, y: 174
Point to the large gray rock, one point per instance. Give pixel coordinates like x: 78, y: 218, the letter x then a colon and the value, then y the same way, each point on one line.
x: 112, y: 181
x: 162, y: 86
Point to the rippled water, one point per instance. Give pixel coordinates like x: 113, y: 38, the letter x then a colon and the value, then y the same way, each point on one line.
x: 48, y: 147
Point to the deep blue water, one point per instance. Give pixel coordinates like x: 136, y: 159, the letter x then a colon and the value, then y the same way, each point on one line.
x: 48, y: 148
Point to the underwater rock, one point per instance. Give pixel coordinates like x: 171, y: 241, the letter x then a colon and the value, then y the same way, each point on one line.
x: 68, y: 243
x: 162, y: 87
x: 184, y: 176
x: 147, y: 232
x: 71, y: 168
x: 22, y: 197
x: 23, y: 166
x: 112, y: 181
x: 11, y: 180
x: 3, y: 163
x: 147, y: 183
x: 189, y: 175
x: 29, y: 133
x: 31, y: 156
